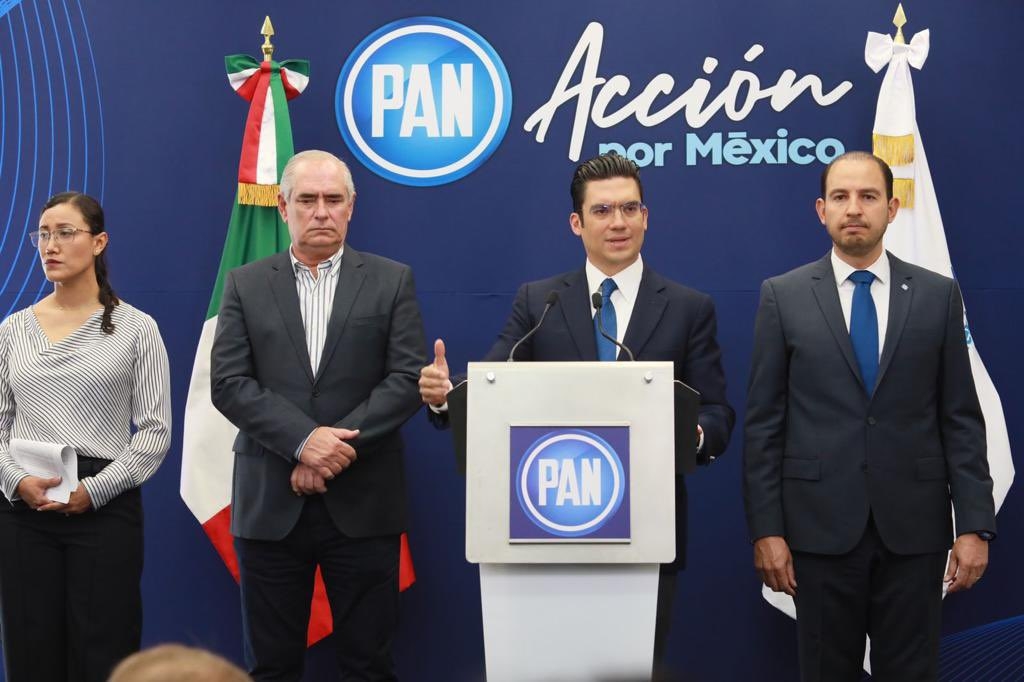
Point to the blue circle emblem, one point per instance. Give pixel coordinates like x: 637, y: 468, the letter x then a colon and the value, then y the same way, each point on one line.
x: 570, y: 482
x: 423, y: 101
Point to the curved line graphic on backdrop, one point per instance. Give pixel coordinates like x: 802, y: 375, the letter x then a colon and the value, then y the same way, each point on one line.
x: 49, y: 94
x: 35, y: 165
x: 31, y: 162
x: 99, y: 102
x: 81, y: 92
x: 64, y: 84
x: 53, y: 136
x: 7, y: 5
x: 16, y: 138
x: 3, y: 118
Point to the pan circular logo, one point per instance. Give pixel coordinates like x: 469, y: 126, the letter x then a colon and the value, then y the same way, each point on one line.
x: 423, y: 101
x: 570, y: 482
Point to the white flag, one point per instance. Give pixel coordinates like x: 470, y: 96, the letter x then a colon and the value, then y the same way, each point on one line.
x: 916, y: 235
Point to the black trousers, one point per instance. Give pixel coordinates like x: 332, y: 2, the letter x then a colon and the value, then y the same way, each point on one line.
x: 895, y: 599
x: 70, y: 603
x: 361, y: 576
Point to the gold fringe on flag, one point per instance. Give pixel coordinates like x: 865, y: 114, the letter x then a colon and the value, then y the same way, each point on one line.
x: 257, y: 195
x: 895, y: 150
x: 903, y: 189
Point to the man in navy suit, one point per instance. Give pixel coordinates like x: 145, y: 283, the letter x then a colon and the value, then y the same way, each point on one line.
x: 862, y: 426
x: 655, y: 317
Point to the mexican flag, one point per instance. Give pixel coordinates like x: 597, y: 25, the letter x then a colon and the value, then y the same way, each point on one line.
x: 255, y: 231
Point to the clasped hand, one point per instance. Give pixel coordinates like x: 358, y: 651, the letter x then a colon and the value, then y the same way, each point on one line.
x: 325, y: 454
x: 32, y: 490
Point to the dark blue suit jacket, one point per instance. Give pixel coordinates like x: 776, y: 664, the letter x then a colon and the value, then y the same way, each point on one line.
x: 821, y: 452
x: 669, y: 322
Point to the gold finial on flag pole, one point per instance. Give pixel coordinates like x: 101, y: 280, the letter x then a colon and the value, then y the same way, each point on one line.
x: 898, y: 21
x: 266, y: 32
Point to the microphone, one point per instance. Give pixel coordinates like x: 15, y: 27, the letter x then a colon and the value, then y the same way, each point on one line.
x: 596, y: 300
x: 549, y: 303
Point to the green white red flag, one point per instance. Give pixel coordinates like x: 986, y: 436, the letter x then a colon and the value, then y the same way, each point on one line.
x: 254, y: 231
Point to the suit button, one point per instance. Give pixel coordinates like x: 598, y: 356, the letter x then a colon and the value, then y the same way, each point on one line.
x: 863, y: 466
x: 316, y: 393
x: 871, y: 421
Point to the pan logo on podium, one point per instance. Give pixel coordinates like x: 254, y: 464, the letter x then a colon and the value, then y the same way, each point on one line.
x: 423, y: 101
x: 570, y: 484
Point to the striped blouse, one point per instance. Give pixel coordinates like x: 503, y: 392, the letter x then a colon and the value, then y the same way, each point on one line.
x: 107, y: 395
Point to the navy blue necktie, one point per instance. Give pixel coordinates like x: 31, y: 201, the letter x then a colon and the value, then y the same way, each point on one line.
x: 864, y: 328
x: 606, y: 350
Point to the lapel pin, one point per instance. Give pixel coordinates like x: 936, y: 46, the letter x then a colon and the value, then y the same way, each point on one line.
x: 904, y: 286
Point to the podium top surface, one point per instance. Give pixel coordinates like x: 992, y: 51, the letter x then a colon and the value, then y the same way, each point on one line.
x: 622, y: 366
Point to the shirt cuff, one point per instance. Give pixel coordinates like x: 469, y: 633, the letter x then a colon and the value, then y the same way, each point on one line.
x: 298, y: 450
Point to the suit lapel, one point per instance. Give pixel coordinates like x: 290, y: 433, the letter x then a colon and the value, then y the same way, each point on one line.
x: 827, y: 295
x: 575, y: 305
x: 350, y: 280
x: 901, y: 294
x: 648, y: 308
x: 282, y: 286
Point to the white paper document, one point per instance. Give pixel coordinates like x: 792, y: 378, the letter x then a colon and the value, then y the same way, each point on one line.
x: 48, y: 460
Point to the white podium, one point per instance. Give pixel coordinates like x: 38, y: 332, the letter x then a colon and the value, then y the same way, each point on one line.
x: 570, y: 509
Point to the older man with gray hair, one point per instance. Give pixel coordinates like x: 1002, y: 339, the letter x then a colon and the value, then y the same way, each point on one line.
x: 316, y: 361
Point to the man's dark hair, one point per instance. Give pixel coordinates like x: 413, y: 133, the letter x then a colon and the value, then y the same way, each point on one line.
x: 603, y: 167
x: 859, y: 156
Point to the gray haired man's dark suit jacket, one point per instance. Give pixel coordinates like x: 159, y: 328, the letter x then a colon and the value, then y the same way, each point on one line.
x: 367, y: 379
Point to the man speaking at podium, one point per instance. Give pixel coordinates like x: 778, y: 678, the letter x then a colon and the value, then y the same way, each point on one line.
x: 654, y: 317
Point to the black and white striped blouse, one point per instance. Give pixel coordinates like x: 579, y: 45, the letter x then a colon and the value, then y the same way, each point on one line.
x: 107, y: 395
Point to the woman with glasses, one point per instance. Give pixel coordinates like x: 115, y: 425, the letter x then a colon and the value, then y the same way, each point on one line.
x: 84, y: 369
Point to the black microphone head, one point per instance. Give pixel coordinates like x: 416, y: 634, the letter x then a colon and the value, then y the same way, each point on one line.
x: 552, y: 298
x: 595, y: 299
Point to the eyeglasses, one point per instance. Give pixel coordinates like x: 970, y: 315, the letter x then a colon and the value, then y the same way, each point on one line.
x: 62, y: 235
x: 630, y: 210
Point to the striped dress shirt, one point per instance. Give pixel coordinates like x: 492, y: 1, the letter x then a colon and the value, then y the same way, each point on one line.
x: 107, y: 395
x: 316, y: 301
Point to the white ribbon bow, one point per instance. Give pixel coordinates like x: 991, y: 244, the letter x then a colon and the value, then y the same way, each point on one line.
x: 880, y: 48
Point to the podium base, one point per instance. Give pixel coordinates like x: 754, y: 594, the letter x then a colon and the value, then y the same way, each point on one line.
x: 565, y: 622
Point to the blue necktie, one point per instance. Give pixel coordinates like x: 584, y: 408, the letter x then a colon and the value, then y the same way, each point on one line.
x: 864, y: 328
x: 606, y: 350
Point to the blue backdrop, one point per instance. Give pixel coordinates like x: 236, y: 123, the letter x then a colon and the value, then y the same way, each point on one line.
x: 129, y: 101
